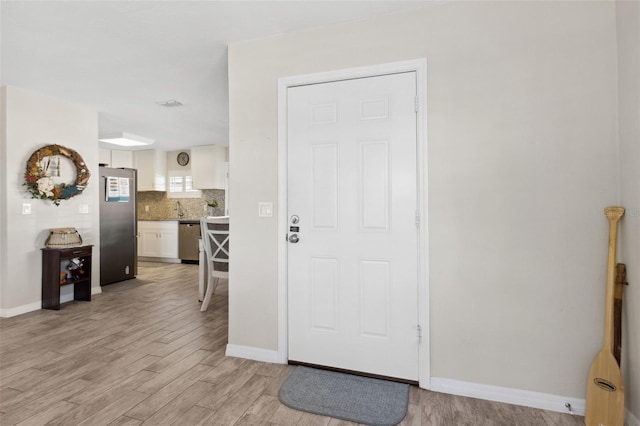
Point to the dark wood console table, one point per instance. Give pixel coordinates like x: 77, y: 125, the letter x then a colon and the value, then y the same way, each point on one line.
x: 54, y: 264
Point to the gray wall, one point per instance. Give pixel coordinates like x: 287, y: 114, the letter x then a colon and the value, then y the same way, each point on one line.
x: 522, y: 157
x: 628, y: 19
x: 32, y: 121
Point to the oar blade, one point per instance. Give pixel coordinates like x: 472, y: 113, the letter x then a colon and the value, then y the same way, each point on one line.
x: 605, y: 392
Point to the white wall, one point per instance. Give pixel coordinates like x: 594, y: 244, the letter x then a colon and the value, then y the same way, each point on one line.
x: 628, y: 31
x: 522, y: 126
x: 3, y: 187
x: 31, y: 122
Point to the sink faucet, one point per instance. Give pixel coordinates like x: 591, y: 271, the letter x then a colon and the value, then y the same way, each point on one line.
x: 179, y: 209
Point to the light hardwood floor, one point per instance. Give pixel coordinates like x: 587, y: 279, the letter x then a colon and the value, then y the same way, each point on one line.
x: 143, y: 353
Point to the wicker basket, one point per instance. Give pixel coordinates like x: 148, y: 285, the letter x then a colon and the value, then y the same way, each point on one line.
x: 63, y: 237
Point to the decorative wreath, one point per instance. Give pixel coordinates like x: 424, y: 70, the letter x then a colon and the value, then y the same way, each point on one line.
x: 38, y: 179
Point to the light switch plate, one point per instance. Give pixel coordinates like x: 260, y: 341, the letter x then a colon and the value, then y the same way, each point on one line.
x: 265, y: 209
x: 83, y: 208
x: 26, y: 208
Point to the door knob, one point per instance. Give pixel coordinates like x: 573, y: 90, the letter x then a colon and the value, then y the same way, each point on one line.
x: 293, y: 238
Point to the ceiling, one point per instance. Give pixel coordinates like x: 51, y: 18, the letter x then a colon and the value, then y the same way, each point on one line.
x: 121, y: 58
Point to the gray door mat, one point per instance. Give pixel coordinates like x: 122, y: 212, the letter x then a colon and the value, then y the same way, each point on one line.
x: 358, y: 399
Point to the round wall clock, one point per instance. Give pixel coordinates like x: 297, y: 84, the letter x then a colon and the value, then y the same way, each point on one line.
x: 183, y: 158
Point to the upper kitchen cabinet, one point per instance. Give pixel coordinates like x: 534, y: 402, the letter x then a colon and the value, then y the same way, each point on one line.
x: 209, y: 167
x: 104, y: 156
x: 116, y: 158
x: 121, y: 159
x: 152, y: 169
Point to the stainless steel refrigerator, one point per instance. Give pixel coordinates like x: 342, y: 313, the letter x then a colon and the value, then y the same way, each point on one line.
x: 118, y: 225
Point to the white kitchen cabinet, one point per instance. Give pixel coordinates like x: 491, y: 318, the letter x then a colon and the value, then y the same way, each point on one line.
x: 121, y: 159
x: 152, y: 169
x: 116, y: 158
x: 209, y: 167
x: 158, y: 238
x: 104, y: 156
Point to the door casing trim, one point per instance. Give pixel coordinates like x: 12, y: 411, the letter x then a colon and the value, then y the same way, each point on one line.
x: 420, y: 67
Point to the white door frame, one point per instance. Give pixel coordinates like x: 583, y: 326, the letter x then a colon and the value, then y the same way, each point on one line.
x: 420, y: 67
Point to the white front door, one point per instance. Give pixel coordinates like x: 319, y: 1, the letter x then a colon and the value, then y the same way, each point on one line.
x: 352, y: 203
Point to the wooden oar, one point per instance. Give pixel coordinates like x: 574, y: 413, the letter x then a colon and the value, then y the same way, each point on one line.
x: 605, y: 387
x: 621, y: 281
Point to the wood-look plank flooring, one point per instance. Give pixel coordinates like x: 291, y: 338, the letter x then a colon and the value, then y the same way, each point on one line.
x: 143, y: 353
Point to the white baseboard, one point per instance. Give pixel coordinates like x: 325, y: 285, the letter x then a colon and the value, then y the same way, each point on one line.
x: 540, y: 400
x: 64, y: 298
x: 67, y: 296
x: 630, y: 419
x: 30, y: 307
x: 19, y: 310
x: 159, y: 259
x: 256, y: 354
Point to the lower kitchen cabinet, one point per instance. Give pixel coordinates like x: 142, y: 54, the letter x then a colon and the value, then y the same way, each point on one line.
x: 158, y: 239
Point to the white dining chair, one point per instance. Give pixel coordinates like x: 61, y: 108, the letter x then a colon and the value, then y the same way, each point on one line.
x: 215, y: 239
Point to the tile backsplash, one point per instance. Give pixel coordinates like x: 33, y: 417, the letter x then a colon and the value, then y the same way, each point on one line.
x: 163, y: 208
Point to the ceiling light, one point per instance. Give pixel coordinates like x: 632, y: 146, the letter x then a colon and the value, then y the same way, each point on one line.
x: 127, y: 139
x: 170, y: 103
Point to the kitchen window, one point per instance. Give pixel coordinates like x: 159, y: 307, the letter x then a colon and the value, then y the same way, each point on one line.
x: 181, y: 185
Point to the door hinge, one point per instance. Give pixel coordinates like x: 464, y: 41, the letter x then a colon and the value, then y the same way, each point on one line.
x: 417, y: 104
x: 419, y: 331
x: 417, y: 219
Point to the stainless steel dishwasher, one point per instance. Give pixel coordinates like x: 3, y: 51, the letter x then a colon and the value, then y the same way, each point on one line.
x: 188, y: 234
